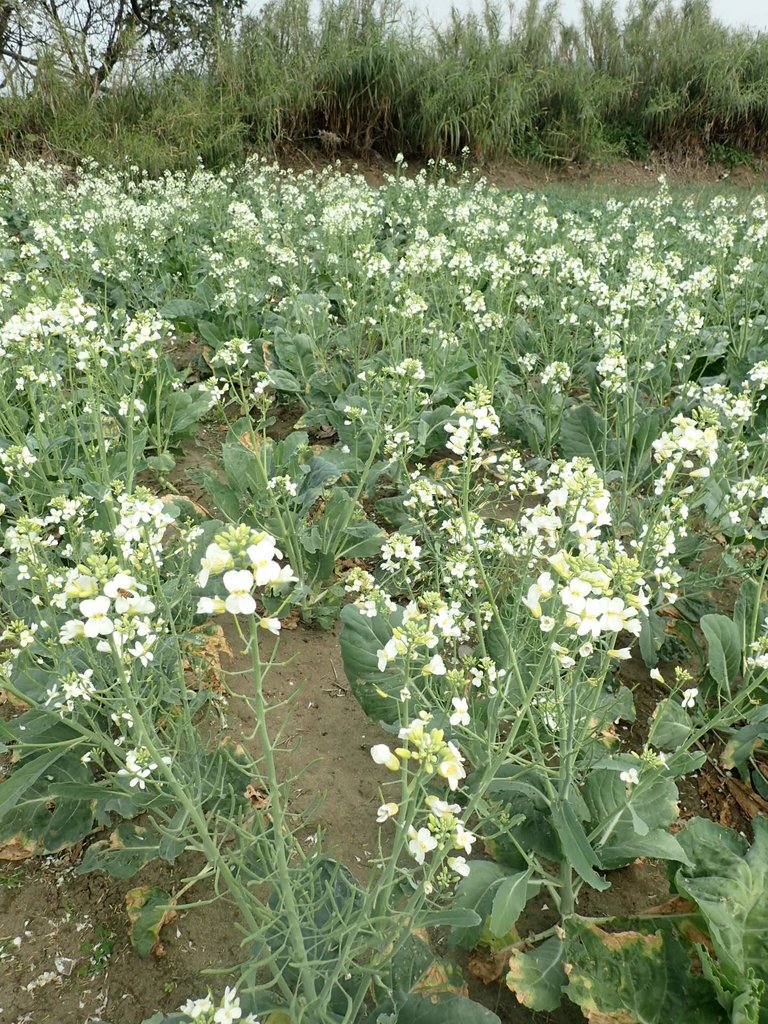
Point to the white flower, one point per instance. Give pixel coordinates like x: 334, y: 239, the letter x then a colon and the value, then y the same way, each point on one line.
x: 463, y: 839
x: 97, y: 621
x: 211, y: 606
x: 630, y: 777
x: 271, y: 625
x: 393, y: 647
x: 229, y: 1011
x: 71, y: 630
x: 420, y: 843
x: 238, y: 583
x: 196, y: 1008
x: 268, y: 572
x: 689, y: 697
x: 459, y: 865
x: 215, y: 560
x: 451, y: 768
x: 139, y: 766
x: 385, y: 812
x: 441, y: 808
x: 434, y: 667
x: 381, y: 754
x: 461, y: 715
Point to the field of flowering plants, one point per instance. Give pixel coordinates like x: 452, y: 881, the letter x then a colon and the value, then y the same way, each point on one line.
x: 496, y: 461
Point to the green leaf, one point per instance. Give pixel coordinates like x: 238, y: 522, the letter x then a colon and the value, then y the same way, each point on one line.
x: 147, y: 908
x: 749, y: 609
x: 127, y: 851
x: 361, y: 639
x: 161, y: 463
x: 724, y: 649
x: 583, y: 434
x: 452, y: 917
x: 23, y: 777
x: 636, y: 978
x: 282, y: 380
x: 223, y: 496
x: 743, y: 744
x: 632, y: 823
x: 55, y: 806
x: 448, y: 1009
x: 651, y: 634
x: 476, y: 892
x: 740, y: 996
x: 730, y: 885
x: 181, y: 309
x: 576, y: 846
x: 509, y: 901
x: 671, y: 725
x: 538, y: 977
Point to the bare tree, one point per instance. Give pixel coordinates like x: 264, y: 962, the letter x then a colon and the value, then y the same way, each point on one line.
x: 88, y: 39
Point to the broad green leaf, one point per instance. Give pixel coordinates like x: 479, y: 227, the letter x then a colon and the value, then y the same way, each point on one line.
x: 723, y: 649
x: 452, y: 917
x: 630, y: 824
x: 671, y: 725
x: 636, y: 978
x: 448, y: 1009
x: 125, y: 853
x: 729, y: 883
x: 527, y: 817
x: 282, y: 380
x: 476, y: 892
x: 223, y: 496
x: 55, y: 806
x: 509, y: 901
x: 576, y: 846
x: 361, y: 639
x: 741, y: 996
x: 651, y: 634
x: 748, y: 610
x: 743, y: 744
x: 181, y: 309
x: 24, y: 776
x: 583, y: 434
x: 537, y: 977
x: 148, y: 909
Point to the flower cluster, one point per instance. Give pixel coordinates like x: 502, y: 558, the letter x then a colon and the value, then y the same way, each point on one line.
x: 248, y: 559
x: 477, y: 422
x: 428, y: 748
x: 208, y: 1011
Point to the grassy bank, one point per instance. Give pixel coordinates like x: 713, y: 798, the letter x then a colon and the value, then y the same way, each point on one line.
x: 366, y: 78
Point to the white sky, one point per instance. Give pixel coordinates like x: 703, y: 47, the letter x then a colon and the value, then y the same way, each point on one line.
x: 737, y: 13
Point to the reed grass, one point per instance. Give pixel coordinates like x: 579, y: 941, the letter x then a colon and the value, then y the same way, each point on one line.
x: 365, y: 77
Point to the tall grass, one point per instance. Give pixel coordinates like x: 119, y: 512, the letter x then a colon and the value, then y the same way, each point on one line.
x: 363, y: 76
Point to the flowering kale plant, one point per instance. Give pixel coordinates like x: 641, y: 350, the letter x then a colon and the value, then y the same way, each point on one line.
x: 525, y: 469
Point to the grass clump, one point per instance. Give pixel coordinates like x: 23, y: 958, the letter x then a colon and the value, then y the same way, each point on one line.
x: 367, y: 77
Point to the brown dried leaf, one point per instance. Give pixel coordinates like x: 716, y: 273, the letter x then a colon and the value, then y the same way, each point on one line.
x: 253, y: 442
x: 676, y: 905
x: 13, y: 701
x: 258, y: 796
x: 721, y: 809
x: 291, y: 620
x: 17, y: 848
x: 326, y: 432
x: 206, y: 653
x: 750, y: 803
x: 487, y: 966
x: 437, y: 979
